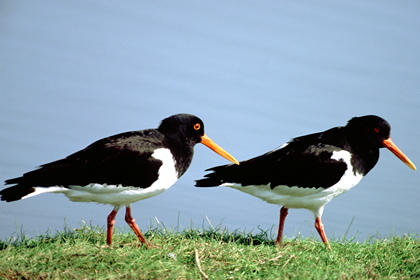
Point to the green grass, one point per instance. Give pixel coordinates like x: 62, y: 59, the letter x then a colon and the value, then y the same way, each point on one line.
x: 197, y: 254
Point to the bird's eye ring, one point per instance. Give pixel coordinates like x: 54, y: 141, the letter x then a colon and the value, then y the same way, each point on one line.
x: 197, y: 126
x: 376, y: 129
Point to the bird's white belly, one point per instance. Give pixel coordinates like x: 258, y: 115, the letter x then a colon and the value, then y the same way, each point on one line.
x: 118, y: 194
x: 110, y: 194
x: 313, y: 199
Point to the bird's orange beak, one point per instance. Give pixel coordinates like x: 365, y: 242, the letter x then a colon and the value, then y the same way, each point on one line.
x: 205, y: 140
x: 396, y: 151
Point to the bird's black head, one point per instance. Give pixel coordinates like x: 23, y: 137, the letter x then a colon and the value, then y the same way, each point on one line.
x: 371, y: 130
x: 184, y: 131
x: 371, y: 133
x: 183, y: 127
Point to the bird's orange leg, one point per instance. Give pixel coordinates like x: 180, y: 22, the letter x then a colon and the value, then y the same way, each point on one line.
x: 320, y: 228
x: 283, y: 213
x: 132, y: 223
x: 110, y: 225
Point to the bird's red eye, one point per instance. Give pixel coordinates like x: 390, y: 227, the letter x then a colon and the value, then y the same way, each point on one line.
x: 197, y: 126
x: 376, y: 129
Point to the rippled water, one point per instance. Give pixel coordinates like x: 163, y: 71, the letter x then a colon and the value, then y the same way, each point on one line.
x: 258, y: 75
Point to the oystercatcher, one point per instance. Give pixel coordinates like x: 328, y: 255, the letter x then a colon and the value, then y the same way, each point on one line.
x: 308, y: 171
x: 121, y: 169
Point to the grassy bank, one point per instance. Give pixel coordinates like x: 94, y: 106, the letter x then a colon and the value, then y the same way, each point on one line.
x: 212, y: 254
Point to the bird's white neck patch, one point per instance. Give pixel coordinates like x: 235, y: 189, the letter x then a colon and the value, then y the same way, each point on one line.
x: 341, y: 155
x: 167, y: 172
x: 349, y: 178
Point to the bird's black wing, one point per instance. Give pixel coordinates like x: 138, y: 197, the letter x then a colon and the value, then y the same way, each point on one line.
x: 304, y: 162
x: 124, y: 159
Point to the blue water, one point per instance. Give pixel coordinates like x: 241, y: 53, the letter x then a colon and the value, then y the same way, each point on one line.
x: 257, y: 74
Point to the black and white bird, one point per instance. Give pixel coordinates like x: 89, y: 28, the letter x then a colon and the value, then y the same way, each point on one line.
x: 121, y: 169
x: 308, y: 171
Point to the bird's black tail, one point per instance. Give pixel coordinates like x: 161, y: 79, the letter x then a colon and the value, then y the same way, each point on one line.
x: 255, y: 171
x: 15, y: 192
x: 209, y: 181
x: 219, y: 175
x: 45, y: 176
